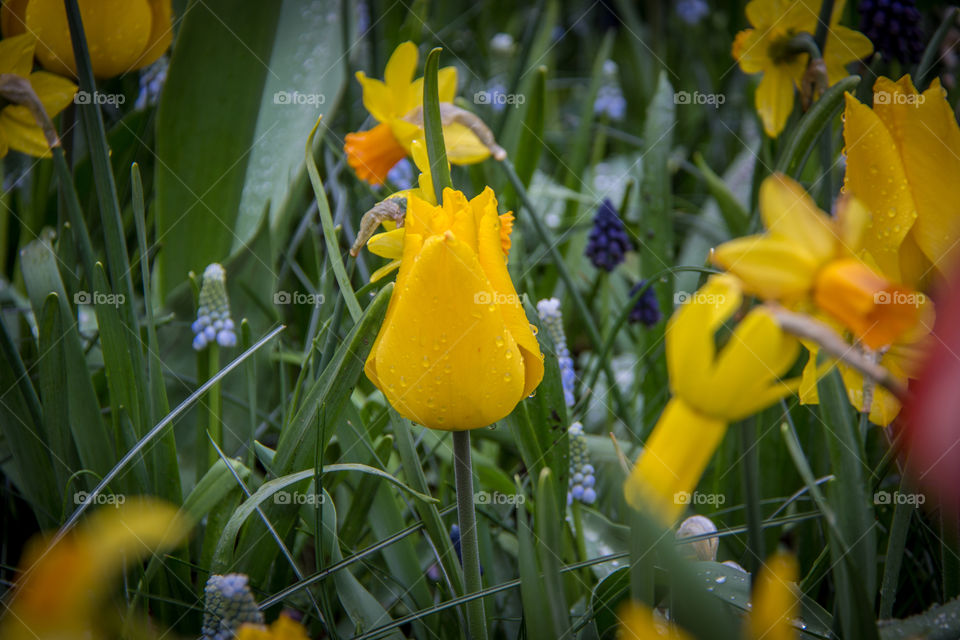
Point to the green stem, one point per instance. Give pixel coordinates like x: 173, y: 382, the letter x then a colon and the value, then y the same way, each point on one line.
x: 932, y: 51
x: 823, y: 25
x: 751, y: 490
x: 469, y: 547
x: 579, y: 539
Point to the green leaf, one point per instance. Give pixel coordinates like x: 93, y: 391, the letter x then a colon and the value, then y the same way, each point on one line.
x: 550, y: 526
x: 241, y: 94
x: 940, y: 622
x: 532, y: 590
x: 530, y: 144
x: 734, y: 213
x: 608, y: 596
x: 433, y: 130
x: 808, y: 129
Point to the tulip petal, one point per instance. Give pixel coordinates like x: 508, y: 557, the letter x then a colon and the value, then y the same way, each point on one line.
x: 490, y: 254
x: 871, y: 154
x: 161, y: 33
x: 117, y: 33
x: 445, y: 359
x: 13, y: 18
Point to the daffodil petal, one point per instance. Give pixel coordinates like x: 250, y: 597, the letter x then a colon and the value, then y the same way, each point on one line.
x: 25, y: 138
x: 843, y: 46
x: 400, y: 70
x: 774, y: 99
x: 377, y: 98
x: 771, y: 268
x: 447, y: 84
x: 789, y: 212
x: 388, y: 244
x: 463, y: 146
x: 16, y: 54
x: 385, y: 270
x: 750, y: 52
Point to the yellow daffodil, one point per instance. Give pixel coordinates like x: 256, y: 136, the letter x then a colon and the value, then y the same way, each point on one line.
x: 808, y: 258
x: 775, y: 600
x: 122, y: 35
x: 903, y: 159
x: 710, y: 389
x: 766, y: 49
x: 60, y: 589
x: 18, y: 127
x: 395, y: 103
x: 283, y: 628
x: 637, y: 622
x: 455, y: 350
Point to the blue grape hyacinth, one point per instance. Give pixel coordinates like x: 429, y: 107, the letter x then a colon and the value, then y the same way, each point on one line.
x: 228, y: 603
x: 646, y: 310
x: 549, y: 311
x: 213, y: 323
x: 608, y: 242
x: 893, y: 27
x: 582, y: 475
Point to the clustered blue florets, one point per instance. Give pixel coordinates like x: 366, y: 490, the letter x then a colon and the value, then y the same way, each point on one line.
x: 608, y: 242
x: 550, y: 315
x: 646, y: 310
x: 213, y: 323
x: 582, y: 478
x: 228, y: 604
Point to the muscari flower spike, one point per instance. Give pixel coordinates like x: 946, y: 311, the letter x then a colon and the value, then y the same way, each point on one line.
x: 646, y: 309
x: 610, y: 100
x: 549, y: 311
x: 582, y: 478
x: 692, y: 11
x: 213, y: 323
x: 608, y: 243
x: 228, y: 605
x: 894, y: 28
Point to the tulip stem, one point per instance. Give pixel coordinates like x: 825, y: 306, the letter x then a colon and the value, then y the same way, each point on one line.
x: 469, y: 547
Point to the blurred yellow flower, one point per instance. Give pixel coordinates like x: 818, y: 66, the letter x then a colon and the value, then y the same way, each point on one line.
x: 455, y: 350
x: 775, y: 599
x: 711, y: 388
x: 122, y: 35
x: 394, y: 103
x: 283, y: 628
x: 766, y: 49
x: 60, y: 589
x: 18, y: 127
x: 638, y: 623
x: 807, y: 257
x: 903, y: 159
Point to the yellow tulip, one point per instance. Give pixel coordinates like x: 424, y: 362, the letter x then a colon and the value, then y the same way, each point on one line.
x: 122, y: 35
x: 392, y: 102
x: 763, y: 49
x: 775, y: 600
x: 60, y: 589
x: 808, y: 258
x: 455, y: 350
x: 903, y: 159
x: 710, y: 389
x: 18, y: 127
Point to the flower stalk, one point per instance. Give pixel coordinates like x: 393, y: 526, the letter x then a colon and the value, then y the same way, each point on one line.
x: 469, y: 546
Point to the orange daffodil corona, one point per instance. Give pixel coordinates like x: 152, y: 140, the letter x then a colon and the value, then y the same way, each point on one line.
x: 18, y: 126
x: 766, y: 49
x: 809, y: 259
x: 122, y: 35
x: 455, y: 350
x: 710, y: 388
x: 394, y: 103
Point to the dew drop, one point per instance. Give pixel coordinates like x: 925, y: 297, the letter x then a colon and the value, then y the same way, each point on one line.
x: 425, y: 363
x: 508, y: 354
x: 506, y: 377
x: 534, y: 329
x: 499, y: 341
